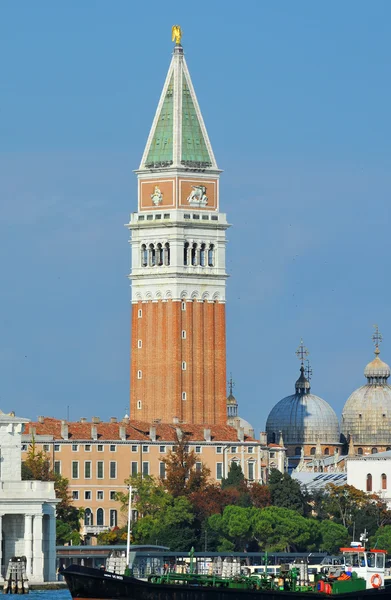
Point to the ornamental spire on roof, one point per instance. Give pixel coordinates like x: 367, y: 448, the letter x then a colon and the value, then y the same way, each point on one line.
x: 178, y: 137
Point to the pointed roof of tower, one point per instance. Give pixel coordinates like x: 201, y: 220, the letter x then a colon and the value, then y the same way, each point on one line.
x: 178, y: 136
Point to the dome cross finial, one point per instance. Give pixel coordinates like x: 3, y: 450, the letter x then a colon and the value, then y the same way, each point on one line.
x: 377, y: 339
x: 302, y: 352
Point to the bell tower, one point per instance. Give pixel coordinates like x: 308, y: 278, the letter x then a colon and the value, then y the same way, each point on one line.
x: 178, y: 348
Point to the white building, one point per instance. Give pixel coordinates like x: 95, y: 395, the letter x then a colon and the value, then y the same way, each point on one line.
x: 27, y: 509
x: 371, y: 473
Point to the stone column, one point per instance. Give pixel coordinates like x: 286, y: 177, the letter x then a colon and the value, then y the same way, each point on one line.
x: 37, y: 548
x: 51, y: 558
x: 28, y: 542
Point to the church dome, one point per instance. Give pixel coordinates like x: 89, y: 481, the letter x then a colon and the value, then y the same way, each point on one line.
x: 366, y: 416
x: 303, y: 418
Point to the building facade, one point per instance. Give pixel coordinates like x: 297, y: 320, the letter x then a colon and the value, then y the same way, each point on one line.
x: 371, y: 473
x: 178, y: 275
x: 27, y: 509
x: 97, y: 457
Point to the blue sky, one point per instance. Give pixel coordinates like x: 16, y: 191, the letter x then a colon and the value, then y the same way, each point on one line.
x: 296, y: 97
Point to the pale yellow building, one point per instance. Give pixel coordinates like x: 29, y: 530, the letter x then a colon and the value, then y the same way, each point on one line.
x: 96, y: 457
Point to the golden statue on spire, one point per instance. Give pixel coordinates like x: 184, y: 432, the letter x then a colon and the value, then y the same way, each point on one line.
x: 176, y: 34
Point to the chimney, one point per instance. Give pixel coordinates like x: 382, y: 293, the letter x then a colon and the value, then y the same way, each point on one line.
x: 95, y: 420
x: 83, y: 420
x: 240, y: 431
x: 41, y: 419
x: 64, y: 430
x: 207, y: 435
x: 263, y: 438
x: 113, y: 419
x: 126, y: 420
x: 122, y: 433
x: 152, y: 433
x: 175, y: 420
x: 94, y: 432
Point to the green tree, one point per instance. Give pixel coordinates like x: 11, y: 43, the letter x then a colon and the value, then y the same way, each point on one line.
x: 345, y: 502
x: 286, y: 492
x: 280, y: 529
x: 233, y: 528
x: 334, y: 536
x: 382, y: 539
x: 235, y: 477
x: 114, y: 536
x: 148, y: 498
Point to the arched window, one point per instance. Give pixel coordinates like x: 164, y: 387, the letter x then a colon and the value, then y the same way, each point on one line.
x: 312, y: 451
x: 203, y: 255
x: 194, y: 255
x: 384, y: 481
x: 159, y: 255
x: 374, y: 451
x: 210, y: 256
x: 144, y: 256
x: 88, y: 517
x: 297, y: 451
x: 152, y: 255
x: 186, y: 254
x: 327, y: 451
x: 360, y: 451
x: 167, y: 254
x: 369, y: 482
x: 100, y: 516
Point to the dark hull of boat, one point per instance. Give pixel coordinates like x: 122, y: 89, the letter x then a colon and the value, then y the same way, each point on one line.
x: 85, y: 583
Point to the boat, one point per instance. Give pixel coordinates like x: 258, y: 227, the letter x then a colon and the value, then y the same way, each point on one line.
x: 360, y: 576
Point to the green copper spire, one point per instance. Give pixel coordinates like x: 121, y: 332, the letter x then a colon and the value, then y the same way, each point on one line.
x: 193, y: 144
x: 161, y: 148
x: 178, y: 138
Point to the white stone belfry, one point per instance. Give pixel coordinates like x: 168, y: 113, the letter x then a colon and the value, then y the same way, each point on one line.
x: 27, y: 509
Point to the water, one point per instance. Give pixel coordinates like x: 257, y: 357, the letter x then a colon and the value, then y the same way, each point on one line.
x: 47, y: 595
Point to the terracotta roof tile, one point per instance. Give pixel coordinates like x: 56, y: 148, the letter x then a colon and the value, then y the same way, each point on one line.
x: 135, y: 431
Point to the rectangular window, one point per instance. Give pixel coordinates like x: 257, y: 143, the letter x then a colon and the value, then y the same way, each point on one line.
x: 145, y: 468
x: 46, y: 447
x: 139, y: 374
x: 183, y: 334
x: 183, y: 395
x: 87, y: 447
x: 139, y: 344
x: 75, y: 495
x: 134, y: 448
x: 145, y: 449
x: 100, y: 447
x: 75, y: 469
x: 57, y: 467
x: 183, y: 366
x: 162, y: 470
x: 272, y: 455
x: 24, y: 447
x: 57, y: 448
x: 250, y: 450
x: 99, y: 495
x: 219, y: 449
x: 75, y: 447
x: 198, y: 449
x: 134, y: 468
x: 251, y: 471
x: 113, y: 448
x: 140, y: 313
x: 99, y: 469
x: 87, y: 495
x: 183, y: 305
x: 234, y: 449
x: 166, y: 216
x: 162, y: 449
x: 138, y: 404
x: 113, y: 518
x: 113, y: 470
x: 198, y: 466
x: 87, y: 469
x: 219, y: 471
x: 113, y: 495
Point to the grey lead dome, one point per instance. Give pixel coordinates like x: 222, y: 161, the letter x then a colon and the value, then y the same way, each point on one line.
x: 303, y: 418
